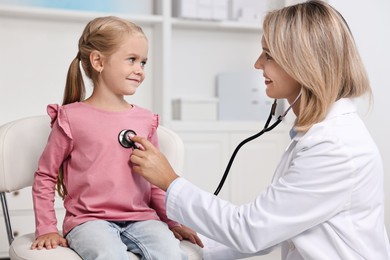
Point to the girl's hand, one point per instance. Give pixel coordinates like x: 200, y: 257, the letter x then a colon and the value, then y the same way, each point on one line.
x: 49, y: 241
x: 183, y: 232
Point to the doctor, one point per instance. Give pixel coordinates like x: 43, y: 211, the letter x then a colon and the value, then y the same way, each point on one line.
x: 326, y: 199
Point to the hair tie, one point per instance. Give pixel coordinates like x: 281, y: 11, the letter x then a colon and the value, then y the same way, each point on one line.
x: 78, y: 55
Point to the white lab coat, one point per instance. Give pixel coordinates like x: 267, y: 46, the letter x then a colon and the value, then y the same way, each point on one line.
x: 326, y: 200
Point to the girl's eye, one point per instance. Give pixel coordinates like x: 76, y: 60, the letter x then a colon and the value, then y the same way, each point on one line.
x: 132, y: 60
x: 143, y: 63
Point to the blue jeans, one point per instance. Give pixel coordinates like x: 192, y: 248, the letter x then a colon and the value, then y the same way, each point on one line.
x: 100, y: 239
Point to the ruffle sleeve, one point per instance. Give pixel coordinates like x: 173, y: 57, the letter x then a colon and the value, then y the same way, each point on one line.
x: 58, y: 114
x: 154, y: 125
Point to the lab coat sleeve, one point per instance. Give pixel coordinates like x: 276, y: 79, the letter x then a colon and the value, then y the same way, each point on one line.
x: 316, y: 186
x: 197, y: 217
x: 216, y: 251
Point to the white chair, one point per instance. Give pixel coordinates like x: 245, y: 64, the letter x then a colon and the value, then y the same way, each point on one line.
x: 21, y: 144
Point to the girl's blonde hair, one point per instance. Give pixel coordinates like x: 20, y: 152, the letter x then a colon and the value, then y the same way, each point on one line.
x: 103, y: 34
x: 312, y: 42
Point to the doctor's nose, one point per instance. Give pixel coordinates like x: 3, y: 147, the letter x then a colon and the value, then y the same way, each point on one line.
x: 259, y: 63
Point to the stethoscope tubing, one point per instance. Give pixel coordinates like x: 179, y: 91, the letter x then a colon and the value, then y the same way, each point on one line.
x: 265, y: 129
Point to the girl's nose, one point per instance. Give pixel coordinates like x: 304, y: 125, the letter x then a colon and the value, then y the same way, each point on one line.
x: 139, y: 69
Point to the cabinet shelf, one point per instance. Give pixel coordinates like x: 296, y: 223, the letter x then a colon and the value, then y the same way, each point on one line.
x: 214, y: 25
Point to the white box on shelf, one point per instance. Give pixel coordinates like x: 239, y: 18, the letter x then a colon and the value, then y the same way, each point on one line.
x: 242, y: 96
x: 201, y: 9
x: 220, y: 10
x: 248, y: 10
x: 205, y: 9
x: 185, y: 9
x: 202, y: 109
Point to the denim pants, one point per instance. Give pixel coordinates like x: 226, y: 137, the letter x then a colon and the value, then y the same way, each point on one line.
x: 100, y: 239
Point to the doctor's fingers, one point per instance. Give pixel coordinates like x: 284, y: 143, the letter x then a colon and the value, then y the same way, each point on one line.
x: 144, y: 163
x: 154, y: 167
x: 147, y: 162
x: 145, y: 159
x: 148, y: 157
x: 146, y: 145
x: 157, y: 178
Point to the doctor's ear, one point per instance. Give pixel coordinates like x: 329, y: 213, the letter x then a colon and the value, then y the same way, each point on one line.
x: 97, y: 60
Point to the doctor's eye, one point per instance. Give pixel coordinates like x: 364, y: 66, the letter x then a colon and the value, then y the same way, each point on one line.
x: 268, y: 56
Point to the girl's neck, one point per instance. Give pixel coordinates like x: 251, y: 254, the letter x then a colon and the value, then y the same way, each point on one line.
x: 108, y: 104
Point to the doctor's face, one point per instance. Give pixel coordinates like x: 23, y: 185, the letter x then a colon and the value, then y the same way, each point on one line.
x: 278, y: 83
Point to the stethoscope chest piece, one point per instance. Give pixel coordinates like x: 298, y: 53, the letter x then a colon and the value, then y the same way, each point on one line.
x: 124, y: 138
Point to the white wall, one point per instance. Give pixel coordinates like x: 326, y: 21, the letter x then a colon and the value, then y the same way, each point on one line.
x: 35, y: 54
x: 370, y: 25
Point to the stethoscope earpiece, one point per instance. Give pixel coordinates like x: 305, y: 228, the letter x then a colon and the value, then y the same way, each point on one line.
x: 124, y: 138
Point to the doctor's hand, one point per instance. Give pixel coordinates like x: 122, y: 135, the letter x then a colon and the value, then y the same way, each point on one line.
x: 183, y: 232
x: 150, y: 163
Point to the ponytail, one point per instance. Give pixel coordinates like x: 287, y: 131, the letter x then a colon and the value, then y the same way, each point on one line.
x: 74, y: 92
x: 74, y: 87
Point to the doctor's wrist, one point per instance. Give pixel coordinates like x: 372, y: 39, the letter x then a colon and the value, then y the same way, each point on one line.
x: 168, y: 181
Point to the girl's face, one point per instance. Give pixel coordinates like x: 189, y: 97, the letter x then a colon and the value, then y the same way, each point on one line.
x: 123, y: 71
x: 278, y: 83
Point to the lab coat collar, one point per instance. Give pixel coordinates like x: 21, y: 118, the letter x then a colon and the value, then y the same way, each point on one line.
x: 340, y: 107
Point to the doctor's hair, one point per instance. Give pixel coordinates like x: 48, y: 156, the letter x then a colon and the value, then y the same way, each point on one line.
x: 312, y: 42
x: 102, y: 34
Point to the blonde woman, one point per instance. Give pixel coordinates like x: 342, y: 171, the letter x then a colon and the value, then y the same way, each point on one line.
x: 109, y: 210
x: 326, y: 199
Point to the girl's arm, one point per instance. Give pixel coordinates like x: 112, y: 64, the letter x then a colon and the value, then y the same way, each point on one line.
x: 56, y: 151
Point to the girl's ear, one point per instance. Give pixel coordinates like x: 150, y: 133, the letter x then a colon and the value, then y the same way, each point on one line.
x: 96, y: 59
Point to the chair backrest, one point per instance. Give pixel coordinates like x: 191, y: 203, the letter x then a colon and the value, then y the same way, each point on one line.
x: 22, y: 143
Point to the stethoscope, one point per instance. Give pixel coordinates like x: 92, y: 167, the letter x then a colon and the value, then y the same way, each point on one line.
x: 266, y: 128
x: 124, y: 137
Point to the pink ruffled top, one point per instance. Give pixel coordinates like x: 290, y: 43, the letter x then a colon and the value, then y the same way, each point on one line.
x: 97, y: 171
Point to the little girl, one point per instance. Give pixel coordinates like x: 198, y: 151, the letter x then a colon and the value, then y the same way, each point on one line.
x: 109, y: 210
